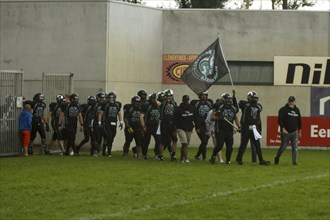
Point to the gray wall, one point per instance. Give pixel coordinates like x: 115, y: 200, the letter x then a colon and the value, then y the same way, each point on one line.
x: 134, y: 49
x: 134, y: 53
x: 248, y: 35
x: 55, y: 37
x: 112, y: 46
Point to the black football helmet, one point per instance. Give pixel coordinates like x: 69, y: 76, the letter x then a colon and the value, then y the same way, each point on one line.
x: 252, y: 96
x: 60, y: 99
x: 168, y: 92
x: 185, y: 98
x: 100, y: 96
x: 203, y: 95
x: 160, y: 96
x: 91, y: 100
x: 152, y: 98
x: 142, y: 94
x: 227, y: 98
x: 136, y: 100
x: 74, y: 98
x: 39, y: 97
x: 112, y: 96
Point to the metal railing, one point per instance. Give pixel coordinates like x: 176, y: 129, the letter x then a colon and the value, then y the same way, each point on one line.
x: 53, y: 84
x: 11, y: 89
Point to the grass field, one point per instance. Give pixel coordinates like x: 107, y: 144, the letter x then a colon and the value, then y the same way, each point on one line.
x: 57, y: 187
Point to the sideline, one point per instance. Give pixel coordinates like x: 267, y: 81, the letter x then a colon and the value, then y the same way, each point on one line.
x: 129, y: 211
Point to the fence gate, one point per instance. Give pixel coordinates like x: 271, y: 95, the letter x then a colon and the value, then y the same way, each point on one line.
x: 11, y: 90
x: 53, y: 84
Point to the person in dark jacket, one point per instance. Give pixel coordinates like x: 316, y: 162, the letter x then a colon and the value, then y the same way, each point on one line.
x: 185, y: 119
x: 25, y: 127
x: 289, y: 120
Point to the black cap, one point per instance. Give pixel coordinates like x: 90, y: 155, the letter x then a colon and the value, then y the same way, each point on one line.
x: 292, y: 99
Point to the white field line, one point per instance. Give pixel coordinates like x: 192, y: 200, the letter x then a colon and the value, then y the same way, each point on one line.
x: 146, y: 208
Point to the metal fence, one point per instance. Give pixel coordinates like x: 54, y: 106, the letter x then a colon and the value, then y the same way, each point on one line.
x: 53, y: 84
x: 11, y: 90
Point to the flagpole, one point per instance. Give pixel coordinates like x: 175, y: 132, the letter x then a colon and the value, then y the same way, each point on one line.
x: 231, y: 80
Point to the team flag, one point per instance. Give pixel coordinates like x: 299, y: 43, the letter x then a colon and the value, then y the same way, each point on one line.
x: 207, y: 69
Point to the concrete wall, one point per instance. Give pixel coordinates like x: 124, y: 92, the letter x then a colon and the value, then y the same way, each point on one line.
x: 55, y: 37
x: 134, y: 49
x: 248, y: 35
x: 134, y: 53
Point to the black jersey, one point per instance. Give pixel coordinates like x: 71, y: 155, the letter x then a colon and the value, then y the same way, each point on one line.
x: 97, y: 108
x: 167, y: 111
x: 83, y: 109
x: 225, y: 112
x: 38, y: 110
x: 250, y: 113
x: 71, y: 115
x: 151, y: 115
x: 110, y: 112
x: 56, y: 113
x: 132, y: 115
x: 202, y: 109
x: 89, y: 115
x: 51, y: 110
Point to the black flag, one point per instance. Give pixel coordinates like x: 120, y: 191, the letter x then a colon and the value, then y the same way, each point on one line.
x: 207, y: 69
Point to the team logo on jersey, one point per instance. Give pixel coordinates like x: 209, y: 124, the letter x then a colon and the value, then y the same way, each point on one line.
x: 169, y: 109
x: 135, y: 116
x: 204, y: 68
x: 38, y: 111
x: 228, y: 114
x: 203, y: 110
x: 73, y: 112
x: 254, y: 112
x: 112, y: 112
x: 154, y: 115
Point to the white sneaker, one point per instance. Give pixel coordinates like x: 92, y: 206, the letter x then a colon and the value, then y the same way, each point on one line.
x: 187, y: 161
x: 222, y: 161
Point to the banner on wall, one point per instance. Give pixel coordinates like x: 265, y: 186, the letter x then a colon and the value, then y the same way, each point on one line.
x: 320, y: 101
x: 301, y: 71
x: 174, y: 65
x: 315, y: 132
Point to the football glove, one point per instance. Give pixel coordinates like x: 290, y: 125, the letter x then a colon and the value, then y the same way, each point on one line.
x: 130, y: 130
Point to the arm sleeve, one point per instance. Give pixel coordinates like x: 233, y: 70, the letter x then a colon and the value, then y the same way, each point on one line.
x: 280, y: 118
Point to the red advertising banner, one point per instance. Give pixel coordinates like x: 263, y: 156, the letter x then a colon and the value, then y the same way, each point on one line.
x: 174, y: 65
x: 315, y: 132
